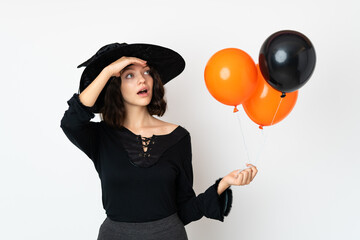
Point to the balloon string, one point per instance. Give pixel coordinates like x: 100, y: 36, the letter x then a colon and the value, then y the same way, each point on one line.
x: 276, y: 112
x: 266, y: 133
x: 261, y: 149
x: 242, y: 134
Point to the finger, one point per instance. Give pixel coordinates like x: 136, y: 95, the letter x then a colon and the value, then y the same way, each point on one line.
x: 248, y: 180
x: 139, y: 60
x: 132, y: 60
x: 254, y: 172
x: 245, y: 176
x: 243, y: 170
x: 250, y: 165
x: 239, y: 180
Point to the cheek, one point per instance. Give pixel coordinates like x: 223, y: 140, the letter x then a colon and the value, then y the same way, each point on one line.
x: 125, y: 89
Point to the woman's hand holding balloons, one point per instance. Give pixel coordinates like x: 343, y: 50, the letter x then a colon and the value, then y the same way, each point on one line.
x: 237, y: 179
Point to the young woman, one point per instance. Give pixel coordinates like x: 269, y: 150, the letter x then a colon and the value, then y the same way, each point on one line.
x: 144, y: 164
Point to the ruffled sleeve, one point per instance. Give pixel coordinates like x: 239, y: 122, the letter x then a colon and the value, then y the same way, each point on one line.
x: 208, y: 203
x: 79, y: 129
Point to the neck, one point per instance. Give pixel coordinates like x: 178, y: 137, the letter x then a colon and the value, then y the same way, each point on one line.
x: 137, y: 117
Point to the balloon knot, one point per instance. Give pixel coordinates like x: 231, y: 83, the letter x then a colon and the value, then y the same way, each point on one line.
x: 283, y: 95
x: 235, y: 109
x: 261, y: 127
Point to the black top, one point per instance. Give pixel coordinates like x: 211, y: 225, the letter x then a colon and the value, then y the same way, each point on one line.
x: 138, y: 185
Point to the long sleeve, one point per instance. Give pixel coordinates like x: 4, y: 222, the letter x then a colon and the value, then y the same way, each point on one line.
x: 209, y: 203
x: 79, y: 129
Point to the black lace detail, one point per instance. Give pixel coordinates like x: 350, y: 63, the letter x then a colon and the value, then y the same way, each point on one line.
x: 146, y: 142
x: 155, y: 146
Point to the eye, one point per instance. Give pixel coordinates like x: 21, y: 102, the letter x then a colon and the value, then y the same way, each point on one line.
x: 130, y: 75
x: 147, y: 72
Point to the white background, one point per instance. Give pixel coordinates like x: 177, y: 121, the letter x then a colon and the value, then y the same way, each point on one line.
x: 308, y: 182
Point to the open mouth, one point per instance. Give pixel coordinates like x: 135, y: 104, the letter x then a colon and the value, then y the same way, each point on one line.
x: 142, y: 91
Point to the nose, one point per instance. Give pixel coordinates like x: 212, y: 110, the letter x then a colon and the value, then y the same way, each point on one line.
x: 141, y: 79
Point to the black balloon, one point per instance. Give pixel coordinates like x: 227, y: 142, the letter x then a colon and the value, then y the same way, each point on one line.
x: 287, y: 60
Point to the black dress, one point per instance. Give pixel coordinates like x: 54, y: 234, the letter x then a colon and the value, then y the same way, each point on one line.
x: 139, y: 186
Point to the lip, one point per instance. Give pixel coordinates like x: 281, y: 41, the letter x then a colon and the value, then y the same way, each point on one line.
x: 147, y: 90
x: 142, y: 95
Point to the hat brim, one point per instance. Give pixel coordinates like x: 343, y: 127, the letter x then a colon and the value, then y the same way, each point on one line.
x: 167, y: 62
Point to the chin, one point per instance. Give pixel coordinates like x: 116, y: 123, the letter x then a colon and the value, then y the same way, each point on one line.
x: 144, y: 104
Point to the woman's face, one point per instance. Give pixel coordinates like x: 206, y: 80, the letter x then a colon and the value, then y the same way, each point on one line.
x: 134, y: 79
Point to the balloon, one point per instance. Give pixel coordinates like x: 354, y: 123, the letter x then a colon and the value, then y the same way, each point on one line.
x: 262, y: 105
x: 287, y: 60
x: 230, y: 76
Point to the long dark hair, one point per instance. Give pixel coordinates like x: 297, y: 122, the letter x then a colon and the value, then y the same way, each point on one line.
x: 113, y: 112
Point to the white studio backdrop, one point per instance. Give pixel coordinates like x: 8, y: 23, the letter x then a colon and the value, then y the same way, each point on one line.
x: 307, y: 185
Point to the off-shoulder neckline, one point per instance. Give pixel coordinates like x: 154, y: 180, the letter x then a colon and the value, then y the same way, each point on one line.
x: 154, y: 135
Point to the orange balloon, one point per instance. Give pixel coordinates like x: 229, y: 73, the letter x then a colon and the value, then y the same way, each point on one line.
x: 230, y: 76
x: 262, y: 105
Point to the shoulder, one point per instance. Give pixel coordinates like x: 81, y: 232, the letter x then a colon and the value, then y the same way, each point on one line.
x: 175, y: 132
x: 167, y: 127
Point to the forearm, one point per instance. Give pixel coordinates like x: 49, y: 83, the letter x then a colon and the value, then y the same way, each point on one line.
x: 91, y: 93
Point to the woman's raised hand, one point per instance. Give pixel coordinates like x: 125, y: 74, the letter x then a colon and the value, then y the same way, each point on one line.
x: 115, y: 67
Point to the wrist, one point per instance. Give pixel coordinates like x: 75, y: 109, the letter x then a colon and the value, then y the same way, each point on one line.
x: 222, y: 186
x: 107, y: 71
